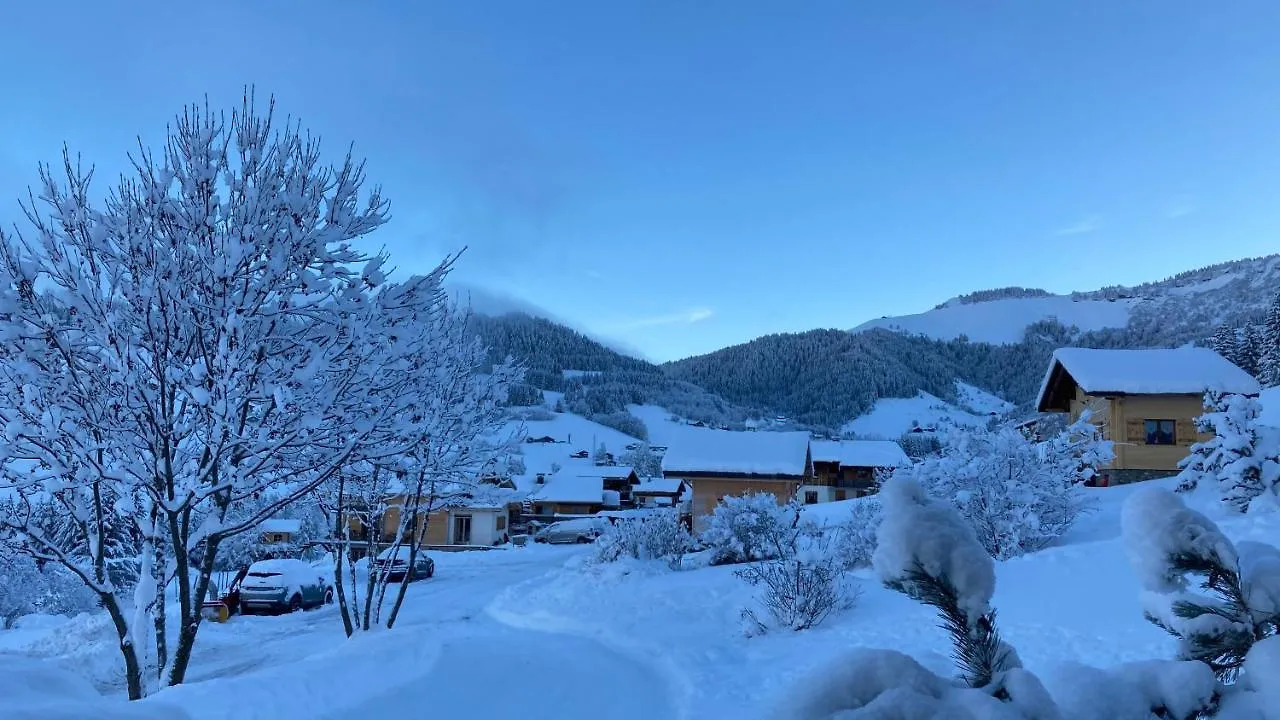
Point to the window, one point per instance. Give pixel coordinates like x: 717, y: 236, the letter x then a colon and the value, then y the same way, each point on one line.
x: 502, y: 522
x: 1160, y: 432
x: 810, y: 497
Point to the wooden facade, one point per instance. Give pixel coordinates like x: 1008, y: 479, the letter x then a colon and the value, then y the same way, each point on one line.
x: 846, y: 481
x: 1125, y: 420
x: 709, y: 490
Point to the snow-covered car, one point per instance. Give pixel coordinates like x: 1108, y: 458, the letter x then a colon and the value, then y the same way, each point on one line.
x: 395, y: 562
x: 578, y: 530
x: 283, y: 585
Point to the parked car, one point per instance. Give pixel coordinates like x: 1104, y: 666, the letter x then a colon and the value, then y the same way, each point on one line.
x: 283, y: 585
x: 578, y: 530
x: 395, y: 562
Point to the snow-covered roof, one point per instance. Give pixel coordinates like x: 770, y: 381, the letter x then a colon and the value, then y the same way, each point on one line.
x: 1162, y: 371
x: 658, y: 486
x: 739, y: 453
x: 604, y: 472
x: 860, y: 453
x: 570, y: 489
x: 281, y: 525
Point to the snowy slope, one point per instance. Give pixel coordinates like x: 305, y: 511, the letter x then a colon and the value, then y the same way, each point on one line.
x: 891, y: 417
x: 572, y: 433
x: 1003, y: 321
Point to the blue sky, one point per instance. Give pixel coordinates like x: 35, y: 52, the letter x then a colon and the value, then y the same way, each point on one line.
x: 684, y: 176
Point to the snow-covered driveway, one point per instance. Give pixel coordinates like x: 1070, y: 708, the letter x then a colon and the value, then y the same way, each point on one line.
x: 447, y: 653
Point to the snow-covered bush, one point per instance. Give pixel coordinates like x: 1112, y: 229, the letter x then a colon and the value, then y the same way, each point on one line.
x: 854, y: 541
x: 1239, y: 458
x: 657, y: 535
x: 748, y: 527
x: 1017, y: 497
x: 799, y: 590
x: 1078, y: 450
x: 26, y: 587
x: 1237, y: 601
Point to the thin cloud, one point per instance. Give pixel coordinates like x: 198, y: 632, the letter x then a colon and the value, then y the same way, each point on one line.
x: 1091, y: 223
x: 684, y: 317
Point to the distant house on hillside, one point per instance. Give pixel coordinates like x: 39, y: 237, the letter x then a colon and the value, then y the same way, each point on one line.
x: 844, y: 469
x: 661, y: 492
x: 721, y: 464
x: 1145, y: 400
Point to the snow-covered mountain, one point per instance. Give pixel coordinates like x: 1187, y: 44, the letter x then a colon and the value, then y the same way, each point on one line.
x: 1185, y: 307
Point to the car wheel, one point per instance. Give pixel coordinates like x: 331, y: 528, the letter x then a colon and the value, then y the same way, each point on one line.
x: 583, y: 539
x: 295, y: 603
x: 328, y: 596
x: 431, y: 571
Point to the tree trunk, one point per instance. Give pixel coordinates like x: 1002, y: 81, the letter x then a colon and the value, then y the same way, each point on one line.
x: 191, y: 612
x: 132, y: 668
x: 339, y: 554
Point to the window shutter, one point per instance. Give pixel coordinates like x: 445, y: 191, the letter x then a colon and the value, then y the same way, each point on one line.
x: 1134, y: 431
x: 1184, y: 432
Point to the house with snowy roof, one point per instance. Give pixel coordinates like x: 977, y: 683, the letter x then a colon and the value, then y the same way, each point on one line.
x: 844, y: 469
x: 279, y: 531
x: 1144, y: 400
x: 582, y: 489
x: 719, y: 464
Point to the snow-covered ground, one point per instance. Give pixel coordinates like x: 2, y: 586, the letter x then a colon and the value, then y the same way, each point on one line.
x: 1004, y: 321
x: 538, y: 632
x: 890, y: 417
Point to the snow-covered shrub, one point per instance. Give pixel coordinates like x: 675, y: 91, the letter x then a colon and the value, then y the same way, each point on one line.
x: 748, y: 527
x: 1017, y: 497
x: 1078, y: 450
x: 855, y: 539
x: 1238, y: 599
x: 1239, y: 458
x: 26, y: 587
x: 658, y: 535
x: 801, y: 587
x: 927, y: 551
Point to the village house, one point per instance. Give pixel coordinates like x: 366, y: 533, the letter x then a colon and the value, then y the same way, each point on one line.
x: 279, y: 531
x: 466, y: 522
x: 581, y: 489
x: 723, y: 464
x: 1144, y: 400
x: 844, y: 469
x: 661, y: 492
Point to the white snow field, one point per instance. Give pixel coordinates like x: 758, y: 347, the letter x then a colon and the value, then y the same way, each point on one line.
x: 542, y: 632
x: 1005, y: 320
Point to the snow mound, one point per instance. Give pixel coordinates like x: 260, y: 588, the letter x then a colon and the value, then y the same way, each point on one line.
x: 38, y: 690
x: 1005, y: 321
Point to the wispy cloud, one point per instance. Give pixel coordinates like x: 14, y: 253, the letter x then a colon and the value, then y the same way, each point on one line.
x: 1181, y: 207
x: 1087, y: 224
x: 684, y: 317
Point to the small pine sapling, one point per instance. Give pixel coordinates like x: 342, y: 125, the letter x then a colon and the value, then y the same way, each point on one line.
x: 1238, y: 603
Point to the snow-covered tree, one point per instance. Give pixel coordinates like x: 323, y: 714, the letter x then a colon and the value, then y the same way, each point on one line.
x: 748, y: 527
x: 643, y: 460
x: 1223, y: 341
x: 204, y: 337
x: 1269, y: 346
x: 855, y: 540
x: 602, y: 456
x: 1237, y: 601
x: 1016, y: 497
x: 1235, y: 458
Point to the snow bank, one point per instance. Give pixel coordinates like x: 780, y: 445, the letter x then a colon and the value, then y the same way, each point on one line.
x: 38, y: 690
x: 1157, y: 526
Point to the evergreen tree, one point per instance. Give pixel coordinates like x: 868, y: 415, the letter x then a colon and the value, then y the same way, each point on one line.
x: 1269, y: 358
x: 1234, y: 458
x: 1223, y: 341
